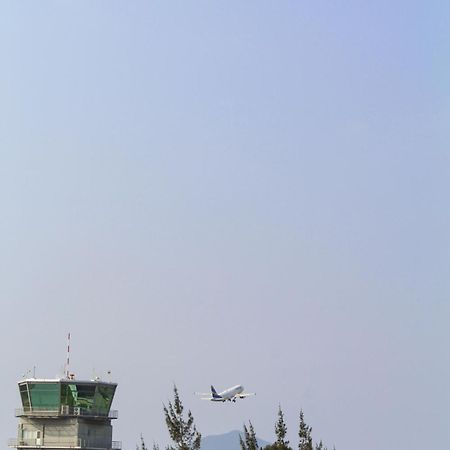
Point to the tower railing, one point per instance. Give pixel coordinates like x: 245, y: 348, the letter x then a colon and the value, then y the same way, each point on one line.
x: 64, y: 443
x: 67, y: 411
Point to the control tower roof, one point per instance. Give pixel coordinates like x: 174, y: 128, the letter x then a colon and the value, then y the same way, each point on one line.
x: 66, y: 380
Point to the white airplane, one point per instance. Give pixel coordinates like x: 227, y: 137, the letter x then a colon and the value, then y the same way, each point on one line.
x: 230, y: 394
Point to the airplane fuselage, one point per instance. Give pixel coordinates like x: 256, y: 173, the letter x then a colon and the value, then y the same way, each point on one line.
x: 228, y: 394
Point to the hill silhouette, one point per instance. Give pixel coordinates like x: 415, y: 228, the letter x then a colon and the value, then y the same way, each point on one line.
x: 227, y: 441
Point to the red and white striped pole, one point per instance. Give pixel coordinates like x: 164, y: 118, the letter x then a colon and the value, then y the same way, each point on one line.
x: 68, y: 355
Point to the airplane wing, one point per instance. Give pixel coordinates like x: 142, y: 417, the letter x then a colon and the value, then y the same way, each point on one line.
x: 245, y: 394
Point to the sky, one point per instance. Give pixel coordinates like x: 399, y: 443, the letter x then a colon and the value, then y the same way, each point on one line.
x: 225, y: 193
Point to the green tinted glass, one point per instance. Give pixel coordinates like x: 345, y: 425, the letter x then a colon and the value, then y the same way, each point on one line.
x: 103, y: 398
x: 44, y: 395
x: 96, y: 398
x: 23, y: 389
x: 85, y: 395
x: 69, y: 396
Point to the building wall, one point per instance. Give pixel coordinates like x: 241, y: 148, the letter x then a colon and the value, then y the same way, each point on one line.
x: 94, y: 434
x: 65, y: 432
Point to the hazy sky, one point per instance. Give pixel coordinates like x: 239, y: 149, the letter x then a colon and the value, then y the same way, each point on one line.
x: 251, y: 192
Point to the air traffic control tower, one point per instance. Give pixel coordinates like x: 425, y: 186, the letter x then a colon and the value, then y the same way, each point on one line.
x: 65, y: 414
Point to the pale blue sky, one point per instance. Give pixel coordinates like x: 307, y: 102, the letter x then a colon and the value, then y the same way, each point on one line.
x: 231, y: 192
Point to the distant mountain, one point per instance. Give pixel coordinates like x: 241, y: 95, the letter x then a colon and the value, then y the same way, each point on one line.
x: 227, y: 441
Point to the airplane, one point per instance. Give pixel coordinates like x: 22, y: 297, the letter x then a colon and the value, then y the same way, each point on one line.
x: 230, y: 394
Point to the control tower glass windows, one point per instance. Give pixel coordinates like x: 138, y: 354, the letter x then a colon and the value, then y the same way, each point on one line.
x: 23, y: 389
x: 85, y: 395
x: 103, y: 398
x: 67, y: 397
x: 44, y: 395
x: 89, y: 397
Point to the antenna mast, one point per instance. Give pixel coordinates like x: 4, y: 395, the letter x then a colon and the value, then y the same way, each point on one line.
x: 68, y: 356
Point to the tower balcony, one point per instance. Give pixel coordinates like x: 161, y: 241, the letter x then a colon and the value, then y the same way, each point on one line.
x: 66, y: 411
x: 74, y: 444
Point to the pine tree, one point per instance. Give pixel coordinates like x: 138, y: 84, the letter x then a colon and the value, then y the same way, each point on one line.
x: 182, y: 431
x: 304, y: 435
x: 142, y: 446
x: 249, y: 442
x: 281, y: 431
x: 320, y: 446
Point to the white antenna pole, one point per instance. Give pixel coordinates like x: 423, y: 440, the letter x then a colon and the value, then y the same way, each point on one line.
x: 68, y: 356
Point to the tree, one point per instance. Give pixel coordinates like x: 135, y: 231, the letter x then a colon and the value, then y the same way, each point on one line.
x: 304, y: 435
x: 182, y: 431
x: 249, y: 442
x: 142, y: 446
x: 281, y: 431
x: 320, y: 446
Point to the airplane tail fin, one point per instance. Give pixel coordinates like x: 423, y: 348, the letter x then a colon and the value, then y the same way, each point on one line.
x: 214, y: 392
